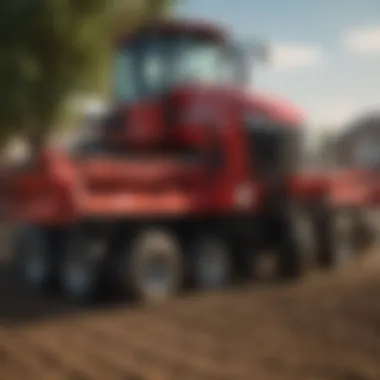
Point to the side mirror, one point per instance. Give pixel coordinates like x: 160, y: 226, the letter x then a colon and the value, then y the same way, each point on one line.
x: 245, y: 55
x: 257, y: 51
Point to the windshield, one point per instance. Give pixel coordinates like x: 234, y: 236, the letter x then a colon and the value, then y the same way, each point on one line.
x: 155, y: 64
x: 202, y: 62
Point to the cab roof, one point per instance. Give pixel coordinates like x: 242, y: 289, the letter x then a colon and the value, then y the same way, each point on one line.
x: 170, y: 25
x: 202, y: 27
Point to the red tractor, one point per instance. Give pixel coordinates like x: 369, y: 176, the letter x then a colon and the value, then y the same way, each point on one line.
x: 184, y: 182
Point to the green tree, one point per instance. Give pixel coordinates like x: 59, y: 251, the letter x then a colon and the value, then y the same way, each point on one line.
x: 52, y: 49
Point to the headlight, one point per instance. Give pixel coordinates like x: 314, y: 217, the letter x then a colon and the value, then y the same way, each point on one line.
x: 244, y: 196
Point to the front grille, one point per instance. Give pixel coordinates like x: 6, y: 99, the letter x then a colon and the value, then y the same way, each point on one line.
x: 274, y: 152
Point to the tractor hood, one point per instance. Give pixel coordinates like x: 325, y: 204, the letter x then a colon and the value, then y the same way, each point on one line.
x: 221, y: 97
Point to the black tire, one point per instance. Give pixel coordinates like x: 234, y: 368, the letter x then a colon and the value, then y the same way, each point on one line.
x: 150, y: 267
x: 297, y: 244
x: 365, y: 230
x: 246, y: 256
x: 337, y: 235
x: 35, y: 257
x: 212, y: 265
x: 80, y: 266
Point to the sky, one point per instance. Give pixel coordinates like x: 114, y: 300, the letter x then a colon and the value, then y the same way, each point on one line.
x: 325, y: 54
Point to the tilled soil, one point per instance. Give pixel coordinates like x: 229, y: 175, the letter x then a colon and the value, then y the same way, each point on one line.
x: 325, y: 328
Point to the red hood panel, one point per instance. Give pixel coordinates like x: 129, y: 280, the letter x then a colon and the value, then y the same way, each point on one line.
x: 278, y: 109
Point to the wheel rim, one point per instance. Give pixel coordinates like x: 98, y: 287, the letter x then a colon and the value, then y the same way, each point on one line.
x: 34, y: 258
x: 157, y: 277
x: 212, y: 266
x: 79, y: 270
x: 77, y: 279
x: 35, y: 269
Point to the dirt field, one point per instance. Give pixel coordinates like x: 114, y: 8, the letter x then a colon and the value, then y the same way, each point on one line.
x: 325, y: 328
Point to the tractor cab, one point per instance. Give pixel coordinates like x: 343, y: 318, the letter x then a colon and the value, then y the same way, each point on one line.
x: 179, y: 92
x: 154, y: 72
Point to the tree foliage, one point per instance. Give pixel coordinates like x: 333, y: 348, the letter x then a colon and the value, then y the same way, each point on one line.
x: 52, y: 49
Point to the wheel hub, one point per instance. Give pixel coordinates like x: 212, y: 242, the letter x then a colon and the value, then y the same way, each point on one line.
x: 157, y: 277
x: 80, y: 267
x: 34, y: 257
x: 35, y: 269
x: 76, y: 278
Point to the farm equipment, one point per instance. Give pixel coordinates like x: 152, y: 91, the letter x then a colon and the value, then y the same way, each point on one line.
x: 183, y: 182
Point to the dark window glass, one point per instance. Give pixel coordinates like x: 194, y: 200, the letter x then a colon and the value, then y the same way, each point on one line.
x: 155, y: 62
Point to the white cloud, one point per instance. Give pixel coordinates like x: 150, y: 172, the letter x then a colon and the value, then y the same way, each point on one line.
x: 291, y: 56
x: 339, y: 114
x: 335, y: 114
x: 363, y: 41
